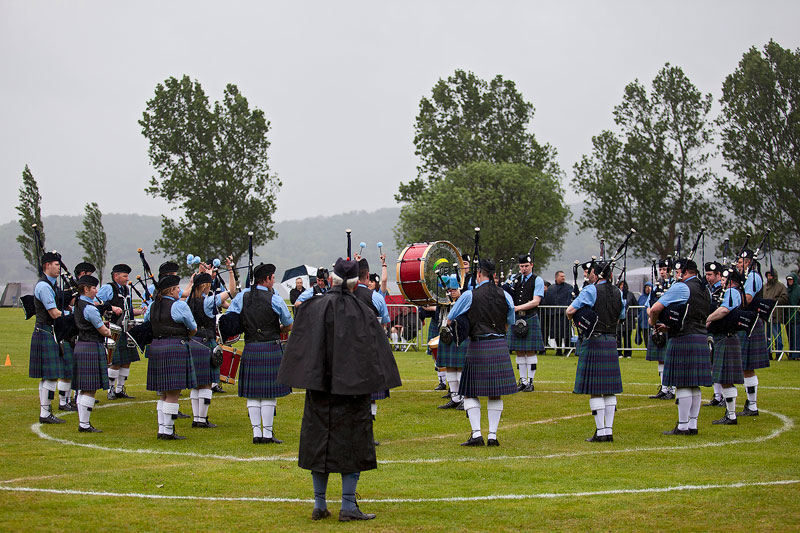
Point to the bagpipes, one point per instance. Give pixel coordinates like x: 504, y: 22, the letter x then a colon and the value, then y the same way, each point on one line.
x: 762, y: 306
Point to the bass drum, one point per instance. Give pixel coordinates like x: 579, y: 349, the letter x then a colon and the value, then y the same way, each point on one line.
x: 416, y: 271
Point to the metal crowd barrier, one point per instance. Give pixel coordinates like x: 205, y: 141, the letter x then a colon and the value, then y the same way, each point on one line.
x: 783, y: 332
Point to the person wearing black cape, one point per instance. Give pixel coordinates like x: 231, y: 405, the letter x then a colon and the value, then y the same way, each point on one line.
x: 339, y: 353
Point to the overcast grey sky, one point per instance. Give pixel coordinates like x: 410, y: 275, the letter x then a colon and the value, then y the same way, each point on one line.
x: 340, y: 81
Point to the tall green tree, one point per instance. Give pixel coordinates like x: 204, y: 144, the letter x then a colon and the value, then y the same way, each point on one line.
x: 651, y: 174
x: 512, y: 203
x: 760, y: 123
x: 466, y: 120
x: 212, y: 167
x: 93, y: 238
x: 30, y: 214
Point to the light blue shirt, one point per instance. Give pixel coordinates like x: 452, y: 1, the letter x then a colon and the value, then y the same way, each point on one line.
x: 677, y: 294
x: 45, y: 293
x: 211, y: 303
x: 464, y: 303
x: 180, y: 313
x: 380, y: 304
x: 753, y: 278
x: 91, y: 314
x: 588, y: 297
x: 731, y: 299
x: 106, y: 293
x: 278, y: 305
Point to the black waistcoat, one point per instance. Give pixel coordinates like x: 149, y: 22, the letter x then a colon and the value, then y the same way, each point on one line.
x: 608, y: 306
x: 206, y: 326
x: 164, y: 327
x: 118, y: 300
x: 365, y: 295
x: 42, y: 316
x: 260, y: 322
x: 523, y: 293
x: 86, y: 331
x: 699, y: 305
x: 488, y: 311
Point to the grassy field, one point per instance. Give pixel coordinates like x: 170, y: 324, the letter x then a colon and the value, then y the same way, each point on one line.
x: 543, y: 476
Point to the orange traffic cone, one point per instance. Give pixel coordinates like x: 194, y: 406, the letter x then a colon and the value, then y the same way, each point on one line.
x: 8, y: 360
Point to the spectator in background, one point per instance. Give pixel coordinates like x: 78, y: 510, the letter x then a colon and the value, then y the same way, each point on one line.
x: 642, y: 329
x: 792, y: 319
x: 775, y: 290
x: 543, y: 323
x: 297, y: 291
x: 558, y: 294
x: 405, y: 325
x: 625, y: 327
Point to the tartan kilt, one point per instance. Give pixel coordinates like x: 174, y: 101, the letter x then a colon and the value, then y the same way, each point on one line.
x: 258, y: 371
x: 532, y: 342
x: 598, y: 367
x: 656, y: 353
x: 452, y: 355
x: 170, y: 366
x: 123, y: 355
x: 727, y: 360
x: 91, y: 368
x: 382, y: 395
x: 67, y: 361
x: 201, y: 359
x: 755, y: 352
x: 45, y: 359
x: 487, y: 370
x: 687, y: 362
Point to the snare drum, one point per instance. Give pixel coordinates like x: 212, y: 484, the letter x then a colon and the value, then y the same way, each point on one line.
x: 230, y: 364
x: 416, y: 271
x: 111, y: 342
x: 433, y: 345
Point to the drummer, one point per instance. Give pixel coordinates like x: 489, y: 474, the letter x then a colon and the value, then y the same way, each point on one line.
x: 451, y: 356
x: 89, y: 373
x: 170, y: 369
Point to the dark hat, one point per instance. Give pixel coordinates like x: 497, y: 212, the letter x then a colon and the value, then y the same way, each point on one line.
x: 524, y: 258
x: 322, y: 273
x: 713, y: 266
x: 747, y: 253
x: 203, y: 277
x: 685, y: 264
x: 363, y: 265
x: 374, y: 278
x: 167, y: 268
x: 263, y: 270
x: 601, y: 268
x: 88, y: 280
x: 49, y: 257
x: 733, y: 275
x: 487, y: 265
x: 587, y: 265
x: 122, y: 267
x: 465, y: 257
x: 345, y: 269
x: 665, y: 263
x: 167, y: 282
x: 84, y: 267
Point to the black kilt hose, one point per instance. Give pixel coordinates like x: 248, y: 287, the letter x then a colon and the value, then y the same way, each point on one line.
x: 258, y: 371
x: 452, y: 355
x: 170, y: 366
x: 755, y: 352
x: 45, y: 359
x: 727, y: 360
x: 598, y: 366
x: 487, y: 369
x: 531, y: 342
x: 122, y: 354
x: 687, y: 362
x: 91, y: 368
x: 201, y: 359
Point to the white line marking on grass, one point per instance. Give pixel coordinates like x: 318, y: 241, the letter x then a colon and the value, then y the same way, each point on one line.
x: 540, y: 495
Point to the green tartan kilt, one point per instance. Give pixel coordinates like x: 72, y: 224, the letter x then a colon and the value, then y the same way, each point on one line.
x: 45, y: 359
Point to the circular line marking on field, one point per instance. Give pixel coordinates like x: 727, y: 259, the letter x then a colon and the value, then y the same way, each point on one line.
x: 490, y: 497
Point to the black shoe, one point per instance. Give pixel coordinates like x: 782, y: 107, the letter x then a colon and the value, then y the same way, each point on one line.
x: 676, y: 431
x: 492, y: 442
x: 67, y: 407
x: 747, y: 412
x: 597, y: 438
x: 558, y: 352
x: 111, y: 394
x: 258, y: 440
x: 474, y: 441
x: 271, y: 440
x: 609, y: 438
x: 658, y: 396
x: 319, y: 514
x: 447, y: 395
x: 217, y: 389
x: 90, y: 429
x: 51, y: 419
x: 174, y: 436
x: 441, y: 386
x: 521, y: 386
x: 181, y: 415
x: 123, y: 394
x: 528, y: 387
x: 715, y: 402
x: 205, y: 424
x: 725, y: 421
x: 354, y: 514
x: 692, y: 431
x: 376, y: 442
x: 669, y: 395
x: 450, y: 405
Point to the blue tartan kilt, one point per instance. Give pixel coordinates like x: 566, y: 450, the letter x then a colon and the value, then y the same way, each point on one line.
x: 452, y: 355
x: 531, y: 342
x: 258, y: 371
x: 598, y: 367
x: 655, y: 353
x: 67, y: 361
x: 687, y: 362
x: 487, y: 370
x: 45, y: 359
x: 91, y: 368
x: 727, y: 366
x: 170, y: 366
x: 755, y: 352
x: 122, y: 354
x: 382, y: 395
x: 201, y: 359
